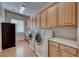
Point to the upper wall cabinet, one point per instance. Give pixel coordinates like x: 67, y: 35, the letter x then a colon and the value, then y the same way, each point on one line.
x: 28, y: 23
x: 38, y: 19
x: 33, y: 22
x: 52, y: 16
x: 60, y: 14
x: 43, y: 19
x: 66, y: 14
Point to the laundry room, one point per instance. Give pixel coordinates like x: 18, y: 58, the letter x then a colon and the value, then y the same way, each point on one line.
x: 39, y: 29
x: 46, y: 23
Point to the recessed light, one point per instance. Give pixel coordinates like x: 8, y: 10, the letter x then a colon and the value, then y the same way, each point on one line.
x: 22, y: 9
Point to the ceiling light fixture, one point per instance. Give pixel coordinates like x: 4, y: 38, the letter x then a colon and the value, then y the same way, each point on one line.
x: 22, y: 9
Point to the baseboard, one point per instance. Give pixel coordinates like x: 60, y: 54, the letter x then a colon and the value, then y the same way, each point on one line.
x: 19, y: 39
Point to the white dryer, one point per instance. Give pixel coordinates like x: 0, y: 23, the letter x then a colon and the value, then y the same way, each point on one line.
x: 48, y: 35
x: 32, y: 41
x: 41, y: 43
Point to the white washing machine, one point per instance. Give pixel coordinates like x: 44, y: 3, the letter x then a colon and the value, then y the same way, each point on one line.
x: 32, y: 41
x: 41, y: 42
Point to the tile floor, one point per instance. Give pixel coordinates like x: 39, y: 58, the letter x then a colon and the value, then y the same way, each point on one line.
x: 21, y: 50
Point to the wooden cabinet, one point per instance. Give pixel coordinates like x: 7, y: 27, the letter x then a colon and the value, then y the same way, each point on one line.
x: 52, y: 16
x: 33, y: 22
x: 66, y: 14
x: 60, y: 14
x: 43, y: 19
x: 28, y: 24
x: 53, y: 44
x: 78, y: 52
x: 53, y: 49
x: 57, y: 49
x: 65, y: 54
x: 68, y: 49
x: 38, y: 21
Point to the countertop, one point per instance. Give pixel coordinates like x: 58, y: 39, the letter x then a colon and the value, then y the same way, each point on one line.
x: 67, y: 42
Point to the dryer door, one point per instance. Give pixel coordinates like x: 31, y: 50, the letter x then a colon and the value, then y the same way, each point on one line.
x: 38, y: 39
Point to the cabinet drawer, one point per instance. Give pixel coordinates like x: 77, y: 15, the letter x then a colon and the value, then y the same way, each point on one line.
x: 68, y: 49
x: 65, y: 54
x: 54, y: 44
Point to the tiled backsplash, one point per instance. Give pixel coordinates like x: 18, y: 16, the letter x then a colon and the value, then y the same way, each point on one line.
x: 66, y: 32
x: 63, y: 32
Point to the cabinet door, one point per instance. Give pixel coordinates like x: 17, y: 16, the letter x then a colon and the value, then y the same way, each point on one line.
x: 65, y: 54
x: 38, y: 20
x: 52, y: 16
x: 53, y: 51
x: 43, y: 19
x: 28, y: 23
x: 33, y: 22
x: 68, y: 49
x: 66, y: 13
x: 78, y: 52
x: 8, y: 35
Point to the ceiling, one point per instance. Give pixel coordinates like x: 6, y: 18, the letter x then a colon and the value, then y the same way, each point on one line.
x: 31, y: 7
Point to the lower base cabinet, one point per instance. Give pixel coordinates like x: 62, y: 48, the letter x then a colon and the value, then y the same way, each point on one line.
x: 53, y: 51
x: 78, y: 53
x: 59, y: 50
x: 65, y: 54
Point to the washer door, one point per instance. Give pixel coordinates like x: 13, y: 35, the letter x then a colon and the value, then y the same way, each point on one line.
x: 30, y: 36
x: 31, y: 33
x: 38, y: 39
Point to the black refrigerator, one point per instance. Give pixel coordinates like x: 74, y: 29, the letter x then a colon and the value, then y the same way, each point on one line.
x: 8, y: 35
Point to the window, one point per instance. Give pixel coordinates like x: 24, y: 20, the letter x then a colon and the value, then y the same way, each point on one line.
x: 19, y: 25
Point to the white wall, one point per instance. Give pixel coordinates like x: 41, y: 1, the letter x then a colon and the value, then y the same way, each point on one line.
x: 10, y: 15
x: 2, y: 14
x: 2, y: 19
x: 19, y: 36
